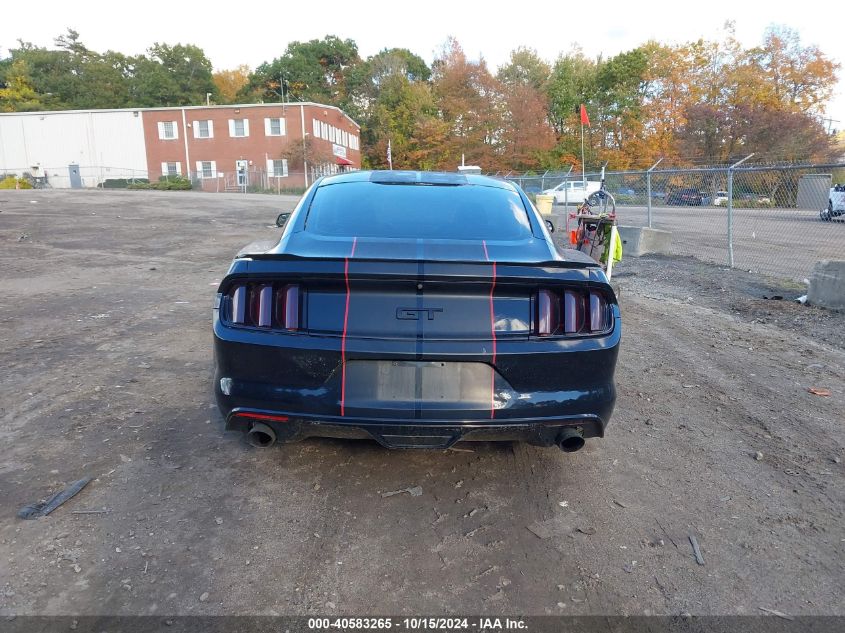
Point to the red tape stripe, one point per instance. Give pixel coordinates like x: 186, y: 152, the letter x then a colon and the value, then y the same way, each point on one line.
x: 345, y: 326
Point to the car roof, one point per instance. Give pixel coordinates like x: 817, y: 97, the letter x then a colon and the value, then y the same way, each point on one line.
x: 399, y: 177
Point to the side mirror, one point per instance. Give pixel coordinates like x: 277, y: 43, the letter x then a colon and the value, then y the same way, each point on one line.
x: 550, y: 225
x: 282, y: 219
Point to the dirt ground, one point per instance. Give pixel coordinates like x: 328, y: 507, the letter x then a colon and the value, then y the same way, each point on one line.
x: 105, y: 308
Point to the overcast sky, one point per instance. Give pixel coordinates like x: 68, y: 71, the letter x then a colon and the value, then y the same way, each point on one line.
x: 233, y: 33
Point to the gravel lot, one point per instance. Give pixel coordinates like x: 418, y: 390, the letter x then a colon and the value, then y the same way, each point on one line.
x: 106, y: 364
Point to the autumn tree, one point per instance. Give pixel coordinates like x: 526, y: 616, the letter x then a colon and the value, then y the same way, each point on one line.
x: 801, y: 78
x: 469, y: 103
x: 526, y: 137
x: 230, y: 83
x: 299, y: 151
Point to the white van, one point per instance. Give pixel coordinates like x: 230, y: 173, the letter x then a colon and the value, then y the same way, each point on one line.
x: 573, y: 191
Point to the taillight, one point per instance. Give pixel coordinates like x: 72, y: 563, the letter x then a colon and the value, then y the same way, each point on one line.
x: 238, y: 295
x: 548, y: 314
x: 287, y: 307
x: 572, y: 312
x: 265, y: 305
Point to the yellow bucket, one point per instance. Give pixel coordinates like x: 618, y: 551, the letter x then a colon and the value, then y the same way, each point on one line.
x: 544, y: 204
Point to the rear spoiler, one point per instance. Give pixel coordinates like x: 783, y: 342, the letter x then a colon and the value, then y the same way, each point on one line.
x: 580, y: 261
x: 261, y: 250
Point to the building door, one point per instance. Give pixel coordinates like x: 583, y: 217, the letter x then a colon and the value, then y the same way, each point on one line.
x: 241, y: 167
x: 75, y: 177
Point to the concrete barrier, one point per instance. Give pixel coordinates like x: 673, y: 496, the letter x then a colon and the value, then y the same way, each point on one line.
x: 640, y: 240
x: 827, y: 284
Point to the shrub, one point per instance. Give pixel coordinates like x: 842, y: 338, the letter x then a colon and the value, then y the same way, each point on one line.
x: 12, y: 182
x: 165, y: 183
x: 173, y: 183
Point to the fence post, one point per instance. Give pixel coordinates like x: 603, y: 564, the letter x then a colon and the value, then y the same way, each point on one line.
x: 566, y: 193
x: 731, y: 209
x: 648, y: 189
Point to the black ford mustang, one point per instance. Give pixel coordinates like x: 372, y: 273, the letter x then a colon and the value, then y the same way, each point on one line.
x: 417, y: 309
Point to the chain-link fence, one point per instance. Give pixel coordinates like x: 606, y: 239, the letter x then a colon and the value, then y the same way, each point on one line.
x: 247, y: 180
x: 74, y: 176
x: 252, y: 180
x: 763, y: 218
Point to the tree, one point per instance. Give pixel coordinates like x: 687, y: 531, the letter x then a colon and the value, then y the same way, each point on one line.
x: 390, y: 94
x: 365, y: 81
x: 172, y: 76
x: 526, y: 137
x: 525, y: 68
x: 572, y: 82
x: 802, y: 78
x: 299, y: 151
x: 17, y: 94
x: 230, y: 83
x: 617, y: 118
x: 469, y: 102
x: 399, y: 116
x: 308, y: 71
x: 73, y: 76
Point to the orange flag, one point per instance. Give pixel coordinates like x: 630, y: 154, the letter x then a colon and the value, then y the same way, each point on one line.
x: 585, y: 120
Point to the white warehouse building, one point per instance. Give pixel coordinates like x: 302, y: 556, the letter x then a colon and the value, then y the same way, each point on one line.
x: 70, y: 147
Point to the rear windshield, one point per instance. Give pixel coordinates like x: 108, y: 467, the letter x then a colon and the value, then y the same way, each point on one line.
x: 461, y: 212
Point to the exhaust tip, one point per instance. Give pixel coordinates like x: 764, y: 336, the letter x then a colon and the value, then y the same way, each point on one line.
x: 570, y: 440
x: 261, y: 436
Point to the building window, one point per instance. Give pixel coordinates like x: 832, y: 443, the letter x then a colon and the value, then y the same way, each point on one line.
x: 168, y: 130
x: 316, y: 123
x: 171, y: 169
x: 277, y: 168
x: 238, y: 128
x: 274, y: 127
x: 203, y: 129
x: 206, y: 169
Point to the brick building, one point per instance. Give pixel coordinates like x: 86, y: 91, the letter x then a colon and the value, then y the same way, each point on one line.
x: 232, y: 147
x: 222, y: 148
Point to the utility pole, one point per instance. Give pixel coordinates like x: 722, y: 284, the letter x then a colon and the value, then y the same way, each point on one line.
x: 830, y: 123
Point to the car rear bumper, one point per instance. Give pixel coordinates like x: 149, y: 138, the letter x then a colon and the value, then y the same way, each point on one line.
x: 403, y: 433
x: 535, y: 390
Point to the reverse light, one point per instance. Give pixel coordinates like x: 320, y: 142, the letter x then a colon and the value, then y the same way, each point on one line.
x: 572, y: 312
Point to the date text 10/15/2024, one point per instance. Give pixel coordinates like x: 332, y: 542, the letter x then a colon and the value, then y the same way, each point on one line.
x: 417, y: 624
